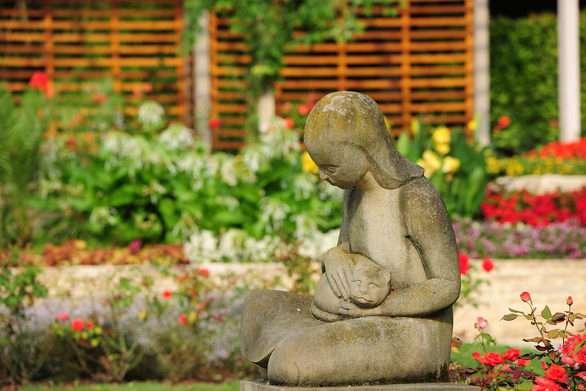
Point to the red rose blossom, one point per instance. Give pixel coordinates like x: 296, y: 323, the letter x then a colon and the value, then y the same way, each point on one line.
x: 512, y: 354
x: 204, y: 272
x: 77, y: 324
x: 570, y: 300
x: 89, y: 325
x: 214, y: 123
x: 504, y: 121
x: 487, y: 264
x: 557, y: 373
x: 463, y: 258
x: 525, y: 296
x: 183, y: 319
x: 543, y: 384
x: 288, y: 123
x: 493, y: 358
x: 167, y: 294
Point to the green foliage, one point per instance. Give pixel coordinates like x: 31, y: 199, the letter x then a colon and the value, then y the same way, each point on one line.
x: 268, y: 28
x: 454, y: 165
x: 21, y: 132
x: 524, y: 73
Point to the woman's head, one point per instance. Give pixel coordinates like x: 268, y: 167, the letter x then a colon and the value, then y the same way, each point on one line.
x: 347, y: 129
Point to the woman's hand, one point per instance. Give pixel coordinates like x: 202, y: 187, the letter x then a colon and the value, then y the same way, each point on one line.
x: 338, y: 271
x: 352, y: 310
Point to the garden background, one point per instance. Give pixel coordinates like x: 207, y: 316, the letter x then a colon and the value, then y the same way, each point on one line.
x: 136, y: 212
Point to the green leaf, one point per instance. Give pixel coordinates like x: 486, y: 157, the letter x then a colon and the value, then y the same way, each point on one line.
x: 509, y: 317
x: 525, y: 386
x: 546, y: 313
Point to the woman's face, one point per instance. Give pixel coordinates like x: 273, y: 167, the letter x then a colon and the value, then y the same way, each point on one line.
x: 340, y: 165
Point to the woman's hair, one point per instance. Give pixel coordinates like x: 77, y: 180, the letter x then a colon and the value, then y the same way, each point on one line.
x: 351, y: 118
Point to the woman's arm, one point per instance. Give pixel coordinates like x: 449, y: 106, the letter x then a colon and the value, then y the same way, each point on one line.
x: 428, y: 227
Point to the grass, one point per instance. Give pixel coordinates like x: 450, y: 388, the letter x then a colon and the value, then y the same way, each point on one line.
x: 137, y: 386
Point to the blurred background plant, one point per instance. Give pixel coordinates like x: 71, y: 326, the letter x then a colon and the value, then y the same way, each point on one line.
x: 454, y: 164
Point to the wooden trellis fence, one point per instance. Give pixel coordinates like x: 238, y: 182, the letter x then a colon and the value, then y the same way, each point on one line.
x: 417, y: 64
x: 133, y: 42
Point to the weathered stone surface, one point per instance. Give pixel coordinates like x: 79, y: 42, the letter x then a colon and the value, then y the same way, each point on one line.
x: 264, y: 386
x: 395, y: 218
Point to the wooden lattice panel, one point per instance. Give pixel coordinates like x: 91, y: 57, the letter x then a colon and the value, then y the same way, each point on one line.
x: 135, y: 43
x: 417, y: 64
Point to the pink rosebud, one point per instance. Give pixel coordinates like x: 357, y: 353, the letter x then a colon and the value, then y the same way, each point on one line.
x: 135, y: 246
x: 63, y: 317
x: 570, y: 300
x: 487, y: 264
x: 481, y: 323
x: 77, y: 324
x: 183, y: 319
x: 525, y: 296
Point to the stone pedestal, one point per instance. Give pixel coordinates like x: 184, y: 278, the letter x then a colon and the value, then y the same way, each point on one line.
x: 264, y: 386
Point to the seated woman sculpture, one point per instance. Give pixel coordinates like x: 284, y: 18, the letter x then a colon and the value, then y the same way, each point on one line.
x: 393, y: 216
x: 370, y: 284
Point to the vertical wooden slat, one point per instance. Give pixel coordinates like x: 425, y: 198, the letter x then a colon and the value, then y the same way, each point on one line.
x: 180, y: 67
x: 342, y: 68
x: 115, y: 46
x: 48, y: 45
x: 469, y: 89
x: 406, y: 66
x: 213, y: 31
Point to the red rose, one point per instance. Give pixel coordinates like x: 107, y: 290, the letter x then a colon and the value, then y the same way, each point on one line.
x: 476, y: 355
x: 570, y: 300
x: 522, y: 363
x: 89, y: 325
x: 288, y: 123
x: 543, y: 384
x: 183, y: 319
x: 463, y: 258
x: 487, y: 264
x: 77, y: 324
x: 504, y: 121
x: 525, y: 296
x: 512, y: 354
x: 557, y: 373
x: 39, y: 81
x: 214, y: 123
x: 493, y: 358
x: 204, y: 272
x: 167, y: 294
x: 304, y: 109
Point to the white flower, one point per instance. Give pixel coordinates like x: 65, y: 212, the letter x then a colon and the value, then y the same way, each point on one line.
x: 150, y: 114
x: 176, y: 137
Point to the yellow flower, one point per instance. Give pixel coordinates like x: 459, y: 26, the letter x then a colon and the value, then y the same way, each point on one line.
x: 430, y: 163
x: 450, y: 165
x: 442, y: 149
x: 192, y: 317
x: 441, y: 135
x: 415, y: 125
x: 308, y: 164
x: 472, y: 125
x: 141, y: 315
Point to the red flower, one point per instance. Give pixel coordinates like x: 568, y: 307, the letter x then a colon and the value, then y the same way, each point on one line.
x: 493, y: 358
x: 476, y: 355
x: 214, y: 123
x: 62, y: 316
x: 525, y: 296
x: 304, y: 109
x: 204, y: 272
x: 543, y: 384
x: 522, y: 363
x: 557, y: 373
x: 200, y: 306
x: 504, y: 121
x: 464, y: 258
x: 89, y: 325
x: 39, y: 81
x: 512, y: 354
x: 135, y: 246
x: 183, y: 319
x: 487, y: 264
x: 288, y: 123
x: 98, y: 97
x: 167, y: 294
x: 77, y: 324
x: 570, y: 300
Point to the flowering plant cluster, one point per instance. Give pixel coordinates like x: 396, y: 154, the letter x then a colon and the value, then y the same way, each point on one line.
x: 489, y: 238
x: 470, y: 284
x: 558, y: 368
x: 535, y: 210
x: 559, y: 149
x: 453, y: 164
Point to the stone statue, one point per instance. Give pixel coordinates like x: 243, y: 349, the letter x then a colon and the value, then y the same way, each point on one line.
x: 394, y: 224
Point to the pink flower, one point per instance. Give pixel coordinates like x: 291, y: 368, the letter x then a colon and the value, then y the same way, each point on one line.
x: 512, y: 354
x: 288, y: 124
x: 135, y: 246
x: 557, y: 373
x: 204, y: 272
x: 481, y: 323
x: 77, y: 324
x: 525, y: 296
x: 463, y: 258
x: 570, y: 300
x: 167, y: 294
x: 214, y: 123
x: 183, y: 319
x: 62, y: 317
x: 487, y: 264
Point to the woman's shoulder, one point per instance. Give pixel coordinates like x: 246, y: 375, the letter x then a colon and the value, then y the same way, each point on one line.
x: 420, y: 198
